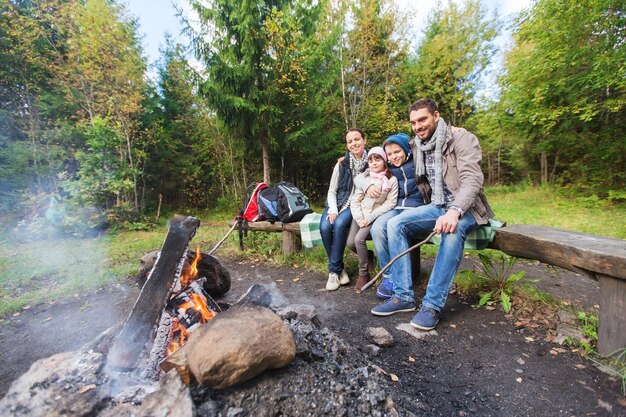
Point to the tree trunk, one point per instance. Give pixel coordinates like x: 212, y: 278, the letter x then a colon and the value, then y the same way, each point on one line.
x: 343, y: 87
x: 499, y: 162
x: 266, y: 161
x: 544, y: 168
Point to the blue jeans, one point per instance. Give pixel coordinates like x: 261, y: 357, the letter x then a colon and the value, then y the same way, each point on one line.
x: 419, y: 222
x: 334, y: 237
x: 379, y: 237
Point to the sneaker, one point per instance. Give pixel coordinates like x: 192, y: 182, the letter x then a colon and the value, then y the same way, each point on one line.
x: 344, y: 279
x: 385, y: 289
x: 425, y: 319
x: 333, y: 281
x: 361, y: 281
x: 393, y: 306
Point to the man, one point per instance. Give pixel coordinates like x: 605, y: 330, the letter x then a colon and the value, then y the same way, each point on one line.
x: 450, y: 157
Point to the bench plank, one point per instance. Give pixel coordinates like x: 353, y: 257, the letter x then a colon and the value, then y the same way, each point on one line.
x: 291, y: 241
x: 578, y: 252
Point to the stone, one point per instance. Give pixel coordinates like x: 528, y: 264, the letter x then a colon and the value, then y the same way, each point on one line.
x: 379, y: 336
x: 64, y: 384
x: 416, y: 333
x: 566, y: 317
x: 171, y: 399
x: 236, y: 346
x: 565, y: 331
x: 145, y: 266
x: 301, y: 312
x: 372, y: 350
x: 264, y: 295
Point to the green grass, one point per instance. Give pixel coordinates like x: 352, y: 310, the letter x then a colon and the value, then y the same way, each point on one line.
x: 46, y: 270
x: 547, y: 207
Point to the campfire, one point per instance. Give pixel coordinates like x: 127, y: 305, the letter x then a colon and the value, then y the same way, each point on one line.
x: 209, y: 347
x: 190, y: 306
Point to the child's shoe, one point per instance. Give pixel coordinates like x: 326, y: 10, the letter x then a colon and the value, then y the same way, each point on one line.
x: 385, y: 289
x: 361, y: 281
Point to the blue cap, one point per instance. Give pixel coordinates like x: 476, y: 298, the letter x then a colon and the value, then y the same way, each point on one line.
x: 400, y: 139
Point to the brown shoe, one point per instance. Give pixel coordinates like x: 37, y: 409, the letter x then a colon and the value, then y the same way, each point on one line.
x: 361, y: 281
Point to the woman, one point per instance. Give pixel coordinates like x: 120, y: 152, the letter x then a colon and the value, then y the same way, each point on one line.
x: 337, y: 218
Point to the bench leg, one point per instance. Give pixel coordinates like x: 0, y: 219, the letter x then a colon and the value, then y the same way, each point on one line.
x: 291, y: 243
x: 415, y: 265
x: 612, y: 326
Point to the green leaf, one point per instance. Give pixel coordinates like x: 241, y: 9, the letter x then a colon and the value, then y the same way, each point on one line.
x: 485, y: 298
x: 515, y: 277
x: 506, y: 302
x: 486, y: 261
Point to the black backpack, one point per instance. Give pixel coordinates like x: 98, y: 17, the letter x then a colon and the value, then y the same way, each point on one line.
x: 283, y: 202
x: 267, y: 201
x: 292, y: 205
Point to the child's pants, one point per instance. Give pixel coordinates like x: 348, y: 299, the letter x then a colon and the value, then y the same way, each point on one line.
x: 357, y: 243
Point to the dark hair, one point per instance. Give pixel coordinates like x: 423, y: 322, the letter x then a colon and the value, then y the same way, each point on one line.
x: 387, y: 171
x: 427, y: 103
x: 356, y: 129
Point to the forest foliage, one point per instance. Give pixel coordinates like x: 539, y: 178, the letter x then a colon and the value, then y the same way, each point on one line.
x: 265, y: 89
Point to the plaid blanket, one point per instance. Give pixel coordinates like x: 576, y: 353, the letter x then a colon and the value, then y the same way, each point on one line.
x: 479, y: 238
x: 310, y: 230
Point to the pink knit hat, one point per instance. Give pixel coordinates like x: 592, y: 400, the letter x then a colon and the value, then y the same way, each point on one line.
x: 378, y: 151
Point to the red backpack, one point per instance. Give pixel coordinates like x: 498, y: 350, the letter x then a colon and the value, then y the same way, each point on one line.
x: 250, y: 210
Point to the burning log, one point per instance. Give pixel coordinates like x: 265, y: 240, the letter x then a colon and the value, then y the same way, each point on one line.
x: 137, y: 331
x: 217, y: 281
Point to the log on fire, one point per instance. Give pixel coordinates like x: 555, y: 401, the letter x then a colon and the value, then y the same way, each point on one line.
x: 137, y: 330
x: 217, y: 281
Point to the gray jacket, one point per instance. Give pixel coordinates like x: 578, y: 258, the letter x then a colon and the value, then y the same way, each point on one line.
x: 462, y: 174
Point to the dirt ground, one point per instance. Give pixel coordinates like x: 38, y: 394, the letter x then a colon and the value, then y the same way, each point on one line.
x: 482, y: 362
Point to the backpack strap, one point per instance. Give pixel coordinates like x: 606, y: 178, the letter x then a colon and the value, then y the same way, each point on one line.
x: 242, y: 228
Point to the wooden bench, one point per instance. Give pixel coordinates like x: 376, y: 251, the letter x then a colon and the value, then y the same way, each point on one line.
x: 598, y: 257
x: 291, y: 241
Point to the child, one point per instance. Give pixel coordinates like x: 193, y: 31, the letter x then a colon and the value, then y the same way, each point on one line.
x: 337, y: 218
x: 366, y: 209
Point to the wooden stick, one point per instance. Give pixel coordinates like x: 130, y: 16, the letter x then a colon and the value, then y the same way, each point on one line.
x: 223, y: 239
x: 373, y: 280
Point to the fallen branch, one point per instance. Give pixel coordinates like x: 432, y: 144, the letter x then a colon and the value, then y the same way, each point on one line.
x: 417, y: 245
x: 223, y: 239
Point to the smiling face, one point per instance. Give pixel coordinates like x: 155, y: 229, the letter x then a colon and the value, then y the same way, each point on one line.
x: 355, y: 143
x: 376, y: 163
x: 424, y: 123
x: 395, y: 154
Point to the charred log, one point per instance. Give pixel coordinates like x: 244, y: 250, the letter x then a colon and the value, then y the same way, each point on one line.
x: 137, y: 331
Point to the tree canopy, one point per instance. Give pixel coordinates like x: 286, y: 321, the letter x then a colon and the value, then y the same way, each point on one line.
x: 277, y: 85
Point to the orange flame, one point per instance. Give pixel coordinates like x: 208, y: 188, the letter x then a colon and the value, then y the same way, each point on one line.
x: 189, y: 276
x: 178, y: 336
x: 201, y: 307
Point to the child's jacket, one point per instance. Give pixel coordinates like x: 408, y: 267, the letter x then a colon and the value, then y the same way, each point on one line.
x: 363, y: 206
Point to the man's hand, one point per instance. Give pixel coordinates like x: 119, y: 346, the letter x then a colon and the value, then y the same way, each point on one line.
x: 331, y: 218
x: 448, y: 222
x: 363, y: 222
x: 373, y: 191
